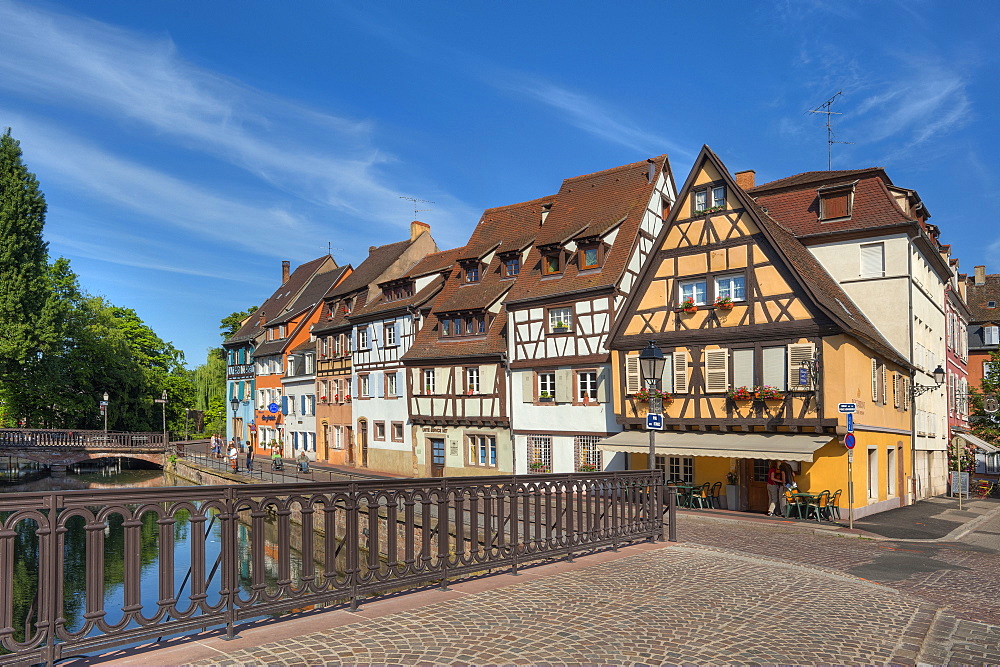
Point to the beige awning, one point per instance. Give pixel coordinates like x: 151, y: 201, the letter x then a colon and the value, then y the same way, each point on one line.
x: 781, y: 446
x: 978, y: 442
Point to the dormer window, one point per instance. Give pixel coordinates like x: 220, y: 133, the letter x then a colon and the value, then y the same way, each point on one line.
x: 836, y: 202
x: 709, y: 199
x: 991, y: 304
x: 511, y: 267
x: 458, y: 326
x: 398, y: 291
x: 552, y: 263
x: 591, y: 256
x: 472, y: 273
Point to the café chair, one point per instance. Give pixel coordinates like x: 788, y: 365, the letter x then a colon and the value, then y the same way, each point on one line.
x: 834, y: 506
x: 714, y: 496
x: 792, y: 503
x: 819, y: 505
x: 700, y: 496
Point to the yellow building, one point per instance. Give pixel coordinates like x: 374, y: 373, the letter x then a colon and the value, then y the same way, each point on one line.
x: 742, y: 311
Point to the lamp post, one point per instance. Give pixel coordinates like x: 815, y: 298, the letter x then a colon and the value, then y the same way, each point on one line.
x: 187, y: 423
x: 163, y: 403
x: 104, y: 410
x: 651, y: 368
x: 915, y: 391
x: 235, y: 403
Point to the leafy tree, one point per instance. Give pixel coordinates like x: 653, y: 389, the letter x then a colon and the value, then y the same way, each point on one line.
x: 986, y: 425
x: 231, y: 323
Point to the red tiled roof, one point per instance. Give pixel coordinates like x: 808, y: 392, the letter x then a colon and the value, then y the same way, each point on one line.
x: 585, y: 206
x: 818, y: 177
x: 428, y: 345
x: 979, y: 295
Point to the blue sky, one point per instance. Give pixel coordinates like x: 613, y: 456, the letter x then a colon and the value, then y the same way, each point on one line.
x: 186, y: 148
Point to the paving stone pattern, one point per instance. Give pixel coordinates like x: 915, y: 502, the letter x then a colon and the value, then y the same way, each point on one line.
x: 684, y: 604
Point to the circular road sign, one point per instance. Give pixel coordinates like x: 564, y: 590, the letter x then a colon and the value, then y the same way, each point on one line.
x: 272, y: 408
x: 849, y: 441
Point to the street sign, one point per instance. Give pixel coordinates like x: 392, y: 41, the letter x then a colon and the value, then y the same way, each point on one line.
x: 850, y: 422
x: 849, y: 441
x: 654, y: 421
x: 803, y: 377
x: 159, y: 400
x: 847, y: 407
x: 272, y: 408
x: 104, y: 404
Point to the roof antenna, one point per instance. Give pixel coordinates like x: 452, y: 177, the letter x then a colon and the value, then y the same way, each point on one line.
x: 415, y: 209
x: 830, y: 141
x: 330, y: 248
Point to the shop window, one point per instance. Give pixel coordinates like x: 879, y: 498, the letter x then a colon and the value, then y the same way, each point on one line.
x: 482, y: 450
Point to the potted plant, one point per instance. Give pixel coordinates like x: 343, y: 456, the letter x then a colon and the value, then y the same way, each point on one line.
x: 740, y: 394
x: 544, y: 397
x: 732, y: 491
x: 586, y: 467
x: 560, y: 327
x: 769, y: 393
x: 537, y: 466
x: 644, y: 394
x: 322, y: 399
x: 724, y: 303
x: 689, y: 306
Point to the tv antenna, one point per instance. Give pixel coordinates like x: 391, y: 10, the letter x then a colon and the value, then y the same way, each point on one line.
x: 330, y: 248
x: 415, y: 201
x: 830, y: 141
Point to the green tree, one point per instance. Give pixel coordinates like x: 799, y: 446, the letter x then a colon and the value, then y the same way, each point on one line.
x: 986, y: 425
x: 231, y: 323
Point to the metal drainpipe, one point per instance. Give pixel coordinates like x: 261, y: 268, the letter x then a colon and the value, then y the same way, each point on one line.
x: 913, y: 375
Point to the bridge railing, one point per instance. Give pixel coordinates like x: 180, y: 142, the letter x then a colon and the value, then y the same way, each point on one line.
x: 11, y: 438
x: 98, y: 569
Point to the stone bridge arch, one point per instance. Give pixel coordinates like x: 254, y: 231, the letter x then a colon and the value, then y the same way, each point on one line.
x: 59, y: 460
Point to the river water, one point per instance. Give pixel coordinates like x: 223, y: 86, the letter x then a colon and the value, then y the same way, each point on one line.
x: 25, y: 574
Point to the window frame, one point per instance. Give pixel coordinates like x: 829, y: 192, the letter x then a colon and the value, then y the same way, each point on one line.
x: 550, y: 324
x: 510, y: 262
x: 539, y: 449
x: 431, y: 374
x: 472, y: 377
x: 681, y: 284
x: 482, y: 450
x: 394, y: 375
x: 711, y: 202
x: 578, y: 395
x: 598, y: 249
x: 378, y: 427
x: 585, y: 451
x: 389, y: 335
x: 730, y: 276
x: 364, y: 341
x: 364, y: 386
x: 393, y: 426
x: 835, y: 192
x: 539, y: 382
x: 559, y: 257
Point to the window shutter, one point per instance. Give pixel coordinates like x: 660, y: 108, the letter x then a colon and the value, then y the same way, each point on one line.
x: 991, y: 335
x: 774, y: 364
x: 835, y: 206
x: 378, y: 380
x: 797, y: 353
x: 681, y: 371
x: 527, y: 387
x: 743, y: 368
x: 564, y: 385
x: 716, y: 371
x: 872, y: 260
x: 602, y: 385
x: 874, y: 381
x: 284, y: 405
x: 895, y: 389
x: 885, y: 387
x: 633, y: 380
x: 907, y: 394
x: 667, y: 377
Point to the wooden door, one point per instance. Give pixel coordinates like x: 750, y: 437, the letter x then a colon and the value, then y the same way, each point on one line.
x: 363, y: 441
x: 349, y: 443
x: 755, y: 472
x: 437, y: 457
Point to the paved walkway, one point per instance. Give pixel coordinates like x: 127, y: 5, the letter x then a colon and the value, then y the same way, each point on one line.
x: 733, y: 591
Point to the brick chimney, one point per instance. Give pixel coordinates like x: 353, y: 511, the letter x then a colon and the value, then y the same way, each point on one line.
x: 980, y: 275
x: 746, y: 179
x: 417, y: 228
x: 286, y: 269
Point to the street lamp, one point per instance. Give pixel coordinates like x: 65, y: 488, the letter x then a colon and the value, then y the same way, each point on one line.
x: 104, y: 409
x: 187, y: 423
x: 651, y: 368
x: 235, y: 402
x: 163, y: 402
x: 919, y: 389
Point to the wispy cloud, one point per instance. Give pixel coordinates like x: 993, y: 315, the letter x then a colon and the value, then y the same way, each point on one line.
x: 590, y: 114
x: 113, y: 73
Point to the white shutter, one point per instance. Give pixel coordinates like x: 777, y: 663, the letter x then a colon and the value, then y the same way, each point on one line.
x: 564, y: 385
x: 602, y: 385
x: 633, y: 380
x: 885, y: 387
x: 527, y: 387
x: 874, y: 381
x: 667, y: 377
x: 773, y: 367
x: 895, y: 389
x: 743, y: 368
x: 716, y: 371
x: 797, y: 353
x: 991, y: 335
x: 681, y: 371
x: 873, y: 260
x: 907, y: 394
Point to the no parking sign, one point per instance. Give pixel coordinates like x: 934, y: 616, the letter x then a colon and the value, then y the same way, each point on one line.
x: 849, y: 441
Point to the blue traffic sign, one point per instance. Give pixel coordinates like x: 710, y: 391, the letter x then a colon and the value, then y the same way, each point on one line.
x: 654, y: 421
x: 850, y: 422
x: 272, y: 408
x: 849, y: 441
x: 847, y: 407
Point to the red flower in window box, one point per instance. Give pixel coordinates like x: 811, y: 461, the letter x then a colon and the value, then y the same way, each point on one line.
x: 724, y: 303
x: 323, y: 398
x: 689, y: 306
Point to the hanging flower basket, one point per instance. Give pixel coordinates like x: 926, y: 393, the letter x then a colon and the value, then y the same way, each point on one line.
x: 769, y: 393
x: 724, y: 303
x: 643, y: 396
x: 740, y: 394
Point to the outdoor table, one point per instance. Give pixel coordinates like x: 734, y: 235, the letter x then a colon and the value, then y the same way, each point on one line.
x: 684, y: 493
x: 804, y: 500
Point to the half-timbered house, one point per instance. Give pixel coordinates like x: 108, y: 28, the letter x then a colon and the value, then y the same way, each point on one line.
x: 592, y: 239
x: 336, y: 337
x: 761, y: 345
x: 456, y: 370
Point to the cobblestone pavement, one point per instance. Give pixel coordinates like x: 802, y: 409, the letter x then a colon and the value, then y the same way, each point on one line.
x: 694, y: 603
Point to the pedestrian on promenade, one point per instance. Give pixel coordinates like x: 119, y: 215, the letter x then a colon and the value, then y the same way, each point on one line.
x: 215, y: 445
x: 249, y: 459
x: 303, y: 462
x: 233, y: 458
x: 775, y: 489
x: 276, y: 458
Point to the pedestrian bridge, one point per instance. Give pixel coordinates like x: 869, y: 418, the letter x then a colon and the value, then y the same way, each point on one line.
x: 59, y: 448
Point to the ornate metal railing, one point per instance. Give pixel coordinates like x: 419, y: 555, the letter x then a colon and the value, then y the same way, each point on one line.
x: 12, y: 438
x: 84, y: 571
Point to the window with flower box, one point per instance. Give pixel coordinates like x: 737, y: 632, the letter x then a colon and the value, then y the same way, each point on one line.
x: 546, y: 387
x: 472, y: 380
x: 693, y: 291
x: 708, y: 199
x: 429, y: 380
x: 539, y: 453
x: 731, y: 287
x: 560, y: 319
x: 588, y: 456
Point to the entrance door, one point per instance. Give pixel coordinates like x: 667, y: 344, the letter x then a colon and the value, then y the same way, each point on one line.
x: 363, y: 441
x: 437, y: 457
x: 349, y: 437
x: 755, y: 470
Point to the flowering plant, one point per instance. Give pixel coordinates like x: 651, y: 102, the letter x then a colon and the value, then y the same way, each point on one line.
x: 724, y: 303
x: 740, y: 394
x: 644, y: 394
x: 731, y: 478
x: 688, y: 305
x: 710, y: 209
x: 536, y: 466
x: 769, y: 393
x: 323, y: 398
x: 586, y: 467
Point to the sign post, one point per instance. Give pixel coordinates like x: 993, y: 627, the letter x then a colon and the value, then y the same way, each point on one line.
x: 956, y: 481
x: 849, y: 442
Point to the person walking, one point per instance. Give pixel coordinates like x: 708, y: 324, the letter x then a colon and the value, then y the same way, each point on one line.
x: 233, y: 458
x: 775, y: 489
x: 249, y: 459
